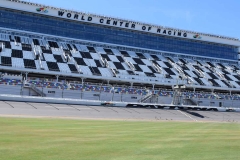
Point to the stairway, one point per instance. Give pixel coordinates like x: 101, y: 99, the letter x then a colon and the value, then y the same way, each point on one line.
x: 190, y: 101
x: 177, y: 97
x: 40, y: 93
x: 147, y: 97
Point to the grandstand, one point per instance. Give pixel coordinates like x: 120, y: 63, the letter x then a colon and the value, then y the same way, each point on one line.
x: 53, y: 52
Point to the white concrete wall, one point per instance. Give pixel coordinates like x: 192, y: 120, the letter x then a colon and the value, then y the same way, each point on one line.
x: 225, y: 103
x: 5, y: 89
x: 88, y: 95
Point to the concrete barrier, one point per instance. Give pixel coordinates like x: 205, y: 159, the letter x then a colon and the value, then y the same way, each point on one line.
x: 110, y: 103
x: 60, y: 101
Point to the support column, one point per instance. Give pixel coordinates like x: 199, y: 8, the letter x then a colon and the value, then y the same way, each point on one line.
x: 82, y: 81
x: 57, y: 77
x: 112, y: 90
x: 81, y: 96
x: 131, y: 84
x: 23, y: 83
x: 121, y: 96
x: 21, y: 76
x: 99, y: 98
x: 153, y: 87
x: 26, y: 75
x: 212, y: 90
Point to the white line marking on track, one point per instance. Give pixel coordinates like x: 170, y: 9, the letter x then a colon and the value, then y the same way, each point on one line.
x: 65, y: 108
x: 187, y: 116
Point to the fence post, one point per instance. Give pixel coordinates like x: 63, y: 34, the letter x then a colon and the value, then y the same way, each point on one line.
x: 100, y: 92
x: 42, y: 86
x: 81, y: 93
x: 121, y: 96
x: 112, y: 95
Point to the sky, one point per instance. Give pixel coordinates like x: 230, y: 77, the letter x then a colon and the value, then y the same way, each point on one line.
x: 220, y: 17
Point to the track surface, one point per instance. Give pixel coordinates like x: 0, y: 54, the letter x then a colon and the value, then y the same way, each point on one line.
x: 22, y: 109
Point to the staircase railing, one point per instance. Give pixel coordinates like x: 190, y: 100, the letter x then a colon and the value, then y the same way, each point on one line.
x: 220, y: 75
x: 145, y: 98
x: 77, y: 66
x: 113, y: 72
x: 63, y: 54
x: 193, y: 102
x: 157, y: 67
x: 40, y: 63
x: 130, y: 65
x: 106, y: 63
x: 215, y: 95
x: 69, y: 58
x: 39, y: 92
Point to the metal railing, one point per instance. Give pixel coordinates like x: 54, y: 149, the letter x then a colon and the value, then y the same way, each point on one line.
x: 35, y: 89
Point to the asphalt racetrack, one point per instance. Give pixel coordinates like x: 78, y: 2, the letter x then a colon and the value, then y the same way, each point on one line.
x: 24, y: 109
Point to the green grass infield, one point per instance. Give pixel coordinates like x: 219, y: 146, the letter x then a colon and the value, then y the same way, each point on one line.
x: 62, y: 139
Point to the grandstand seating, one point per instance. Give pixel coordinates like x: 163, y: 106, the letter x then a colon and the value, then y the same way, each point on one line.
x: 62, y: 57
x: 111, y: 89
x: 74, y: 58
